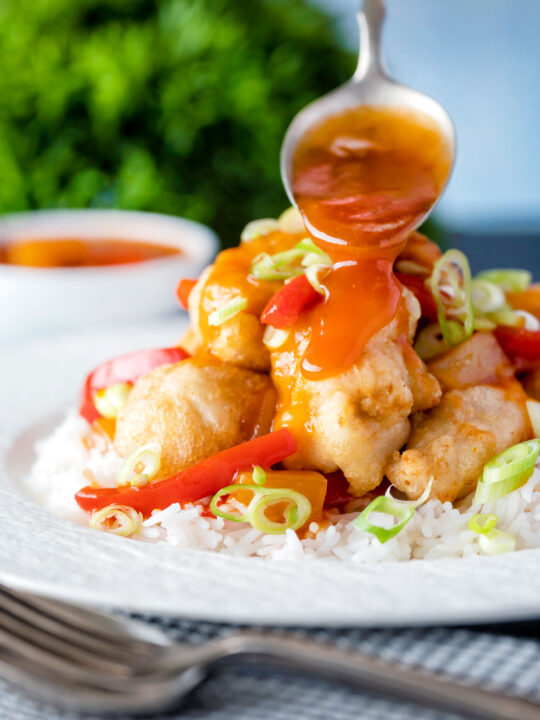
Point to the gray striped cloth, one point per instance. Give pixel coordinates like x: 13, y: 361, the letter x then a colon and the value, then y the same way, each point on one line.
x: 495, y: 660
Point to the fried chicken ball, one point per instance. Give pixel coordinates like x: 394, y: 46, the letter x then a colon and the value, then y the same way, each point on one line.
x: 354, y: 421
x: 453, y: 442
x: 193, y: 409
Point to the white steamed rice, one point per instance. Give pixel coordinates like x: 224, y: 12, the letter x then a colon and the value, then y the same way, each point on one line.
x: 438, y: 530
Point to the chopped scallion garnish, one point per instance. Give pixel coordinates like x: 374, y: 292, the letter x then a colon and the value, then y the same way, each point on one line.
x: 295, y: 513
x: 290, y: 221
x: 274, y: 337
x: 393, y: 510
x: 509, y: 280
x: 482, y: 522
x: 256, y: 228
x: 232, y: 308
x: 312, y: 273
x: 487, y: 297
x: 117, y: 519
x: 430, y: 342
x: 450, y: 285
x: 258, y: 475
x: 109, y: 401
x: 289, y: 263
x: 140, y: 466
x: 497, y: 542
x: 507, y: 472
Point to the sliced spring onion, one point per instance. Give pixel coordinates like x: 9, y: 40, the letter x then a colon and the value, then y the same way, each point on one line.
x: 289, y: 263
x: 117, y: 519
x: 232, y: 308
x: 290, y: 221
x: 483, y: 323
x: 450, y: 285
x: 430, y: 342
x: 507, y: 472
x: 393, y: 509
x: 508, y: 317
x: 411, y: 268
x: 424, y: 497
x: 510, y: 280
x: 140, y: 466
x: 256, y: 228
x: 497, y: 542
x: 258, y: 475
x: 486, y: 296
x: 109, y: 401
x: 482, y: 522
x: 533, y: 410
x: 295, y: 514
x: 312, y: 273
x: 281, y: 266
x: 274, y: 338
x: 231, y: 490
x: 531, y: 322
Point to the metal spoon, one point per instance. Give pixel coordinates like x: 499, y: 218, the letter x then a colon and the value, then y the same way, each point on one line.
x: 369, y: 86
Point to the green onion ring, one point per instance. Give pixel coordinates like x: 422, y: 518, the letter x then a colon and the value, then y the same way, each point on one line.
x: 507, y: 472
x: 497, y: 542
x: 140, y: 466
x: 487, y: 297
x: 430, y: 342
x: 404, y: 512
x: 110, y: 400
x: 482, y: 523
x: 117, y: 519
x: 510, y: 280
x: 256, y: 228
x: 229, y: 310
x: 258, y: 475
x: 296, y: 513
x: 455, y: 309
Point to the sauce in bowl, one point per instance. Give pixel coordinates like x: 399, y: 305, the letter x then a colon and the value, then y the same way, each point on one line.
x: 362, y: 181
x: 78, y: 252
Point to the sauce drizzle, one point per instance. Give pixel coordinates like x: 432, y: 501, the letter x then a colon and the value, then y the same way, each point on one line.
x: 363, y: 180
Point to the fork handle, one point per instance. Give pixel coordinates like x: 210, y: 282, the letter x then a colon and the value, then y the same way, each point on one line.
x: 374, y: 675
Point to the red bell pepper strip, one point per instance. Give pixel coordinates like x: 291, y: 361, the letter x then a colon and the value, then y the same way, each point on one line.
x: 416, y: 284
x: 183, y: 291
x: 283, y: 308
x: 522, y: 346
x: 198, y: 481
x: 124, y: 369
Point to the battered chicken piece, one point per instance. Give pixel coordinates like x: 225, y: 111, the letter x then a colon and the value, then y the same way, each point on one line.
x: 354, y: 421
x: 194, y: 409
x: 239, y: 339
x: 453, y: 442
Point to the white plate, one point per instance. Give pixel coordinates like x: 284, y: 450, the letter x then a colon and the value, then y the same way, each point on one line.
x: 49, y: 555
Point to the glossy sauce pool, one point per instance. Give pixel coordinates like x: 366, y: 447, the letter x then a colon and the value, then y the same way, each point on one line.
x: 363, y: 180
x: 78, y: 252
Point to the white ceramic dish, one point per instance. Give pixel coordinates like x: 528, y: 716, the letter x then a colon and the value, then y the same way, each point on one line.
x: 37, y: 299
x: 52, y: 556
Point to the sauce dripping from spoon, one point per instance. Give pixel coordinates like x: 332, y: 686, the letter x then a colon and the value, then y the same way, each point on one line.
x: 363, y: 180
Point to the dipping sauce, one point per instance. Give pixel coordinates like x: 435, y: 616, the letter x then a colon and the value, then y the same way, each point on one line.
x: 78, y: 252
x: 363, y: 180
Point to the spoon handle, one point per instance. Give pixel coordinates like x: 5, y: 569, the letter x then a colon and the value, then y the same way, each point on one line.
x: 370, y: 21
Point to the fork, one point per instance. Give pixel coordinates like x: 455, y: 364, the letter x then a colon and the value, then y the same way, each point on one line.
x: 87, y: 661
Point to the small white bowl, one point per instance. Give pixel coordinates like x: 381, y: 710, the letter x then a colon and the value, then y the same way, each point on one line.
x: 34, y: 300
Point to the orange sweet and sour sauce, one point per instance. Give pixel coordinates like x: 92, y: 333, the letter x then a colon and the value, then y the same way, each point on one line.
x: 78, y: 252
x: 362, y: 181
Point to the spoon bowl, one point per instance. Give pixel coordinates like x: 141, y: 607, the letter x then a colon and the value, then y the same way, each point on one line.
x: 370, y: 86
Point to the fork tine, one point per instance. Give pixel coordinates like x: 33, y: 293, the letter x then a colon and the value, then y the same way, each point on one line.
x: 34, y: 636
x: 52, y: 630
